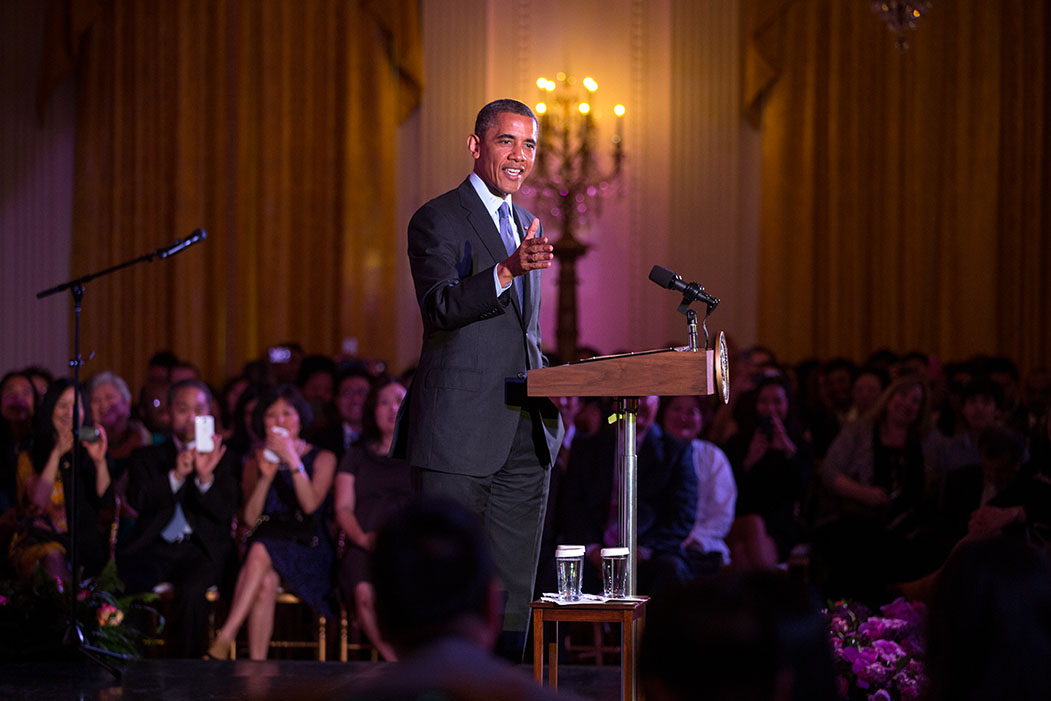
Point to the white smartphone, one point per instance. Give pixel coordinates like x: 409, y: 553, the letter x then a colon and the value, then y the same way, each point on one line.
x: 270, y: 455
x: 204, y: 433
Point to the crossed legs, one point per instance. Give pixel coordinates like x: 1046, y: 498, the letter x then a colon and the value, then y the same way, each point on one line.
x: 254, y: 598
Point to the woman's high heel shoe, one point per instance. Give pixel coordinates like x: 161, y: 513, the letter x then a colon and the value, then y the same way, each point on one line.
x: 221, y: 649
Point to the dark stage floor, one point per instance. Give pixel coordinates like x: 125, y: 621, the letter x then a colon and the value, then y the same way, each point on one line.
x: 174, y: 680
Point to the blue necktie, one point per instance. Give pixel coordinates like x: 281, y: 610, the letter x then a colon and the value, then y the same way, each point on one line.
x: 507, y: 233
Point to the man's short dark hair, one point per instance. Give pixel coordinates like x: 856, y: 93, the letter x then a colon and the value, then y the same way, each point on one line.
x: 430, y: 567
x: 487, y: 115
x: 189, y: 382
x: 736, y: 635
x: 984, y: 387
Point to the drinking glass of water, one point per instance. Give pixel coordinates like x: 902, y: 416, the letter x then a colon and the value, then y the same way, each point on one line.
x: 614, y: 572
x: 570, y: 562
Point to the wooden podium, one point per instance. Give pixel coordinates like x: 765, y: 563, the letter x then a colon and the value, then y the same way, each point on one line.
x: 625, y: 378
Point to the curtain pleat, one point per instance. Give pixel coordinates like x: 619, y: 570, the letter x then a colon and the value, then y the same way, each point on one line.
x: 271, y: 125
x: 903, y: 194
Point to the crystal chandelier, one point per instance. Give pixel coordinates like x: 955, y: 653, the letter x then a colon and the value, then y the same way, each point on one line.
x: 901, y: 16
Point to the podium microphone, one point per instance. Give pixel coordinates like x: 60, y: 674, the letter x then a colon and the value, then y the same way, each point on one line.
x: 691, y: 292
x: 171, y: 249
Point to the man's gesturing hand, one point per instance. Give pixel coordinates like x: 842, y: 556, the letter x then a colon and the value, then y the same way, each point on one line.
x: 533, y: 254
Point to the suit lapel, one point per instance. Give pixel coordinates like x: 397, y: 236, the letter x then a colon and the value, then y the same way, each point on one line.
x: 482, y: 223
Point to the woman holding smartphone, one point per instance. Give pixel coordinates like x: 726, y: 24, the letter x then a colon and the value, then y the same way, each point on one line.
x: 286, y: 486
x: 773, y: 464
x: 44, y: 475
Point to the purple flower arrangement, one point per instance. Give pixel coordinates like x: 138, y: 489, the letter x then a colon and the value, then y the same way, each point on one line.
x: 878, y: 657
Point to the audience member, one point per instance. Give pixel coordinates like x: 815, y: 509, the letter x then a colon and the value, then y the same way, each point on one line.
x: 948, y: 418
x: 875, y: 488
x: 284, y: 361
x: 884, y: 360
x: 41, y: 377
x: 351, y: 391
x: 666, y: 502
x: 752, y: 636
x: 45, y: 475
x: 914, y: 363
x: 231, y: 392
x: 773, y: 465
x: 1037, y: 399
x: 18, y: 401
x: 183, y: 370
x: 437, y: 602
x: 1039, y: 464
x: 244, y: 440
x: 822, y: 418
x: 186, y: 502
x: 370, y: 487
x: 749, y: 365
x: 285, y: 490
x: 990, y: 622
x: 980, y: 410
x: 705, y: 546
x: 1004, y: 372
x: 984, y: 497
x: 160, y: 366
x: 109, y: 401
x: 839, y: 377
x: 316, y: 379
x: 153, y: 411
x: 865, y: 391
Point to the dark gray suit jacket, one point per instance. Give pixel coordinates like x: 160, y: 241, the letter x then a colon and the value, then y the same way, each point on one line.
x: 460, y: 416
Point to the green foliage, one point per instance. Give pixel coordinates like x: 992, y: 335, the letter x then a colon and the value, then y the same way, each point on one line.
x: 34, y: 615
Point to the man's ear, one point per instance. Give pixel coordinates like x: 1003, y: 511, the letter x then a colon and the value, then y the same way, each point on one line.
x: 474, y: 145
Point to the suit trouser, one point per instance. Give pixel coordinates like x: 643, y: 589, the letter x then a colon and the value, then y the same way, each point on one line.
x: 189, y: 569
x: 510, y: 504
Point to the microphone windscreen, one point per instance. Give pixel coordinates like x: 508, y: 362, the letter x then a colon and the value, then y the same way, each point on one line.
x: 662, y: 276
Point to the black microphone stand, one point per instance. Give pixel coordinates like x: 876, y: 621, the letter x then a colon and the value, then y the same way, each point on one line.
x: 74, y: 636
x: 691, y: 318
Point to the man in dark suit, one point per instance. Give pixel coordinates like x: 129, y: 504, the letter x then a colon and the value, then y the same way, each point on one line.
x: 186, y: 501
x: 472, y: 434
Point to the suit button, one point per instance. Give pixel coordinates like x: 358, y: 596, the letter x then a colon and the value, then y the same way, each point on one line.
x: 521, y: 376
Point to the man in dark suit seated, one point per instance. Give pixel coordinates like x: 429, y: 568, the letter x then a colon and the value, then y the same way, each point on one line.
x: 186, y: 501
x: 666, y: 503
x: 437, y: 601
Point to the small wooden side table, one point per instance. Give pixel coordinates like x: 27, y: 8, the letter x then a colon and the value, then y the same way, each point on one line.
x: 627, y: 613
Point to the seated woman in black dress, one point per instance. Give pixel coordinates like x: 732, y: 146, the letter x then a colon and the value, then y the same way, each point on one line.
x: 285, y: 488
x: 370, y: 487
x: 773, y: 462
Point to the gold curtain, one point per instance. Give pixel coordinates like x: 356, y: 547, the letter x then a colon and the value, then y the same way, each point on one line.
x: 903, y: 195
x: 272, y: 125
